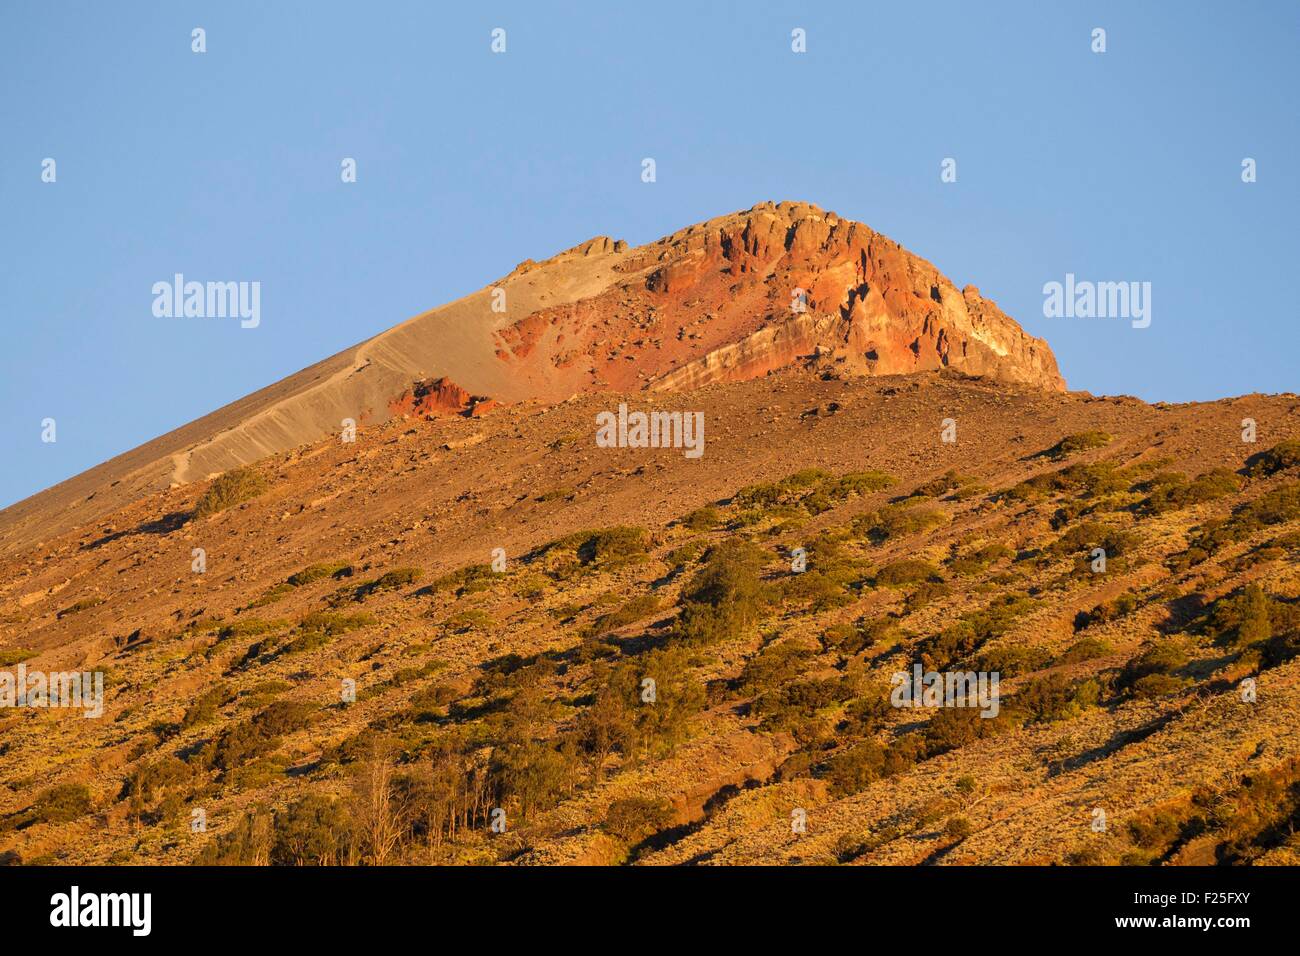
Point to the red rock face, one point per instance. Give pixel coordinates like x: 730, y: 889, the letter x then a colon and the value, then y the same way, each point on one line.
x: 438, y: 399
x: 777, y: 285
x: 738, y: 297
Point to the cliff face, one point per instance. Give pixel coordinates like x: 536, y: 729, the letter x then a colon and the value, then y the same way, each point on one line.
x: 778, y: 285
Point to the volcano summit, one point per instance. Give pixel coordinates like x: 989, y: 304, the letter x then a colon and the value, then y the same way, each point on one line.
x: 776, y: 286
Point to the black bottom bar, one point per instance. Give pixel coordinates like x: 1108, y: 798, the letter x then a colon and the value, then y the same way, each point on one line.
x: 333, y: 906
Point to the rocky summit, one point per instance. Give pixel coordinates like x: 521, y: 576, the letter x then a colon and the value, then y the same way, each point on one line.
x: 779, y: 285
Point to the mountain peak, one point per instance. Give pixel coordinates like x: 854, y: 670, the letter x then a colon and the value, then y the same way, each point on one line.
x: 779, y: 285
x: 790, y: 283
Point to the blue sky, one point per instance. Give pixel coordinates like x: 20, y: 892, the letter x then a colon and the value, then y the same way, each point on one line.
x: 225, y: 165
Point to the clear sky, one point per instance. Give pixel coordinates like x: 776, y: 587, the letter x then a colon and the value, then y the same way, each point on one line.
x: 225, y: 165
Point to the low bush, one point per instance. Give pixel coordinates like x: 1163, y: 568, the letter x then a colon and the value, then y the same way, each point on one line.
x: 1112, y: 610
x: 1280, y: 457
x: 314, y: 572
x: 701, y: 519
x: 1170, y: 491
x: 938, y: 487
x: 234, y: 487
x: 320, y: 627
x: 856, y: 767
x: 637, y: 609
x: 9, y: 656
x: 633, y: 819
x: 206, y: 706
x: 858, y: 483
x: 972, y: 631
x: 1053, y: 697
x: 895, y: 521
x: 61, y: 803
x: 1085, y: 649
x: 1073, y: 444
x: 388, y: 581
x: 906, y: 571
x: 1151, y: 673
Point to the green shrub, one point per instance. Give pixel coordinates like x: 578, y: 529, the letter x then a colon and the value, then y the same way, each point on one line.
x: 9, y: 656
x: 859, y: 483
x: 61, y: 803
x: 250, y: 627
x: 284, y: 717
x: 234, y: 487
x: 637, y: 609
x: 1053, y: 697
x: 701, y: 519
x: 923, y: 593
x: 852, y: 639
x: 205, y: 708
x: 150, y: 782
x: 1275, y: 507
x: 906, y: 571
x: 1272, y: 508
x: 1252, y: 618
x: 271, y: 595
x: 1280, y: 457
x: 772, y: 666
x: 245, y: 741
x: 688, y: 553
x: 1093, y: 534
x: 972, y: 630
x: 247, y: 843
x: 1085, y: 649
x: 801, y: 488
x: 1151, y: 672
x: 854, y: 769
x: 1081, y: 481
x: 470, y: 579
x: 725, y: 596
x: 1121, y: 606
x: 471, y: 619
x: 389, y: 581
x: 895, y: 521
x: 1080, y: 441
x: 818, y: 588
x: 320, y: 627
x: 633, y: 819
x: 979, y: 559
x: 1170, y: 491
x: 614, y: 547
x: 603, y: 550
x: 958, y: 828
x: 793, y: 702
x: 867, y: 716
x: 954, y: 727
x: 938, y: 487
x: 1013, y: 661
x: 314, y: 572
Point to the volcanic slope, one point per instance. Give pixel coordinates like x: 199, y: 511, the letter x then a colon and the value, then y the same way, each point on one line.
x: 350, y: 646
